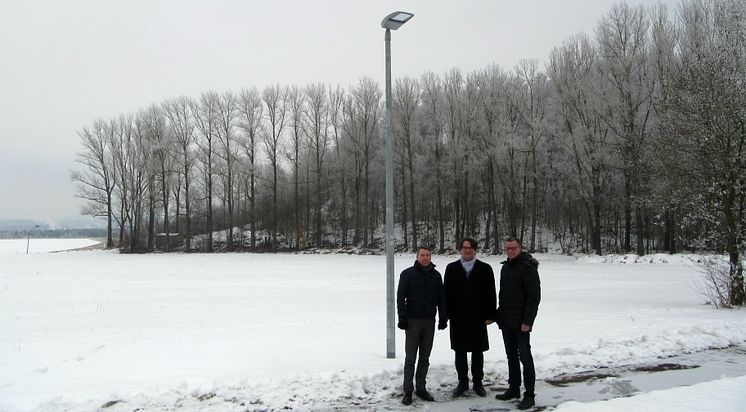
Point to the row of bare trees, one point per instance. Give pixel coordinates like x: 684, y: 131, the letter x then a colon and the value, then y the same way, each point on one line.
x: 630, y: 139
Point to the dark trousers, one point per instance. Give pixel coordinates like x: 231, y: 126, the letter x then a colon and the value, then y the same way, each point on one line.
x: 477, y: 367
x: 518, y: 349
x: 419, y: 337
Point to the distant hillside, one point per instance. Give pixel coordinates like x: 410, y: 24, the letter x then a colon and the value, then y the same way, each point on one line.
x: 81, y: 222
x: 82, y: 227
x: 55, y: 234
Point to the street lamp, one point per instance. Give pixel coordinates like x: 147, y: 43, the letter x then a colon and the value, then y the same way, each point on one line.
x: 391, y: 22
x: 28, y: 237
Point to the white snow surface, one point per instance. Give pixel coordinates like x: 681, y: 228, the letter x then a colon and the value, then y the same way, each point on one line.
x: 721, y: 395
x: 18, y: 246
x: 90, y: 330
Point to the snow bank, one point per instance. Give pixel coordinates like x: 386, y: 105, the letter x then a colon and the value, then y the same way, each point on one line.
x: 724, y: 395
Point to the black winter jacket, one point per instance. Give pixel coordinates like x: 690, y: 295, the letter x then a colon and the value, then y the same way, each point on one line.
x: 420, y: 293
x: 520, y: 292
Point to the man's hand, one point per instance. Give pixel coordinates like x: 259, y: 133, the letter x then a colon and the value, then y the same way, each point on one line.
x: 403, y: 324
x: 525, y: 328
x: 442, y: 325
x: 489, y: 321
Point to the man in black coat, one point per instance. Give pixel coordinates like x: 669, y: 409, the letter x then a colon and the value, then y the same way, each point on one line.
x: 419, y: 294
x: 520, y: 293
x: 471, y: 300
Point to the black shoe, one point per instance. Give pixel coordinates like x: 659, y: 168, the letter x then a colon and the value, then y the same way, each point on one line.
x: 526, y: 402
x: 424, y: 395
x: 460, y: 389
x: 407, y: 398
x: 512, y: 393
x: 479, y: 390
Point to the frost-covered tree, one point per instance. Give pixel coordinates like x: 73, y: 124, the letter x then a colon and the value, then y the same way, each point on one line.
x: 433, y: 132
x: 494, y: 111
x: 532, y: 105
x: 406, y: 96
x: 362, y: 119
x: 579, y: 91
x: 704, y: 124
x: 623, y: 60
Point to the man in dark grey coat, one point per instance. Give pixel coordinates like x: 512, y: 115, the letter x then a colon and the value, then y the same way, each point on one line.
x: 470, y: 297
x: 520, y: 293
x: 419, y: 294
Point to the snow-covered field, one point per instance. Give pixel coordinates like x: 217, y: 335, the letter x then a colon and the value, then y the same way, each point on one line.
x: 90, y: 330
x: 18, y: 246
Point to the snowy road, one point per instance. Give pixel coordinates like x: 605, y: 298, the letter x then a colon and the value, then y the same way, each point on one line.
x: 610, y: 383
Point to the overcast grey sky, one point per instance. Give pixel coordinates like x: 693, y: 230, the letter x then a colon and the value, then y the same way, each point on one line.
x: 67, y: 63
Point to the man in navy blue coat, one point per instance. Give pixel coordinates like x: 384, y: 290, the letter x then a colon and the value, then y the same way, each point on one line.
x: 418, y: 297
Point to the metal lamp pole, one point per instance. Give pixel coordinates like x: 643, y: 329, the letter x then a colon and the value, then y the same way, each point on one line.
x: 28, y: 237
x: 391, y: 22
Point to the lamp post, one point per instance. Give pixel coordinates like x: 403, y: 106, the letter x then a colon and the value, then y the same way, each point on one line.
x: 391, y: 22
x: 28, y: 237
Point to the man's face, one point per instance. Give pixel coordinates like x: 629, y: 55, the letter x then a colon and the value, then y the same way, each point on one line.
x: 513, y: 249
x: 424, y: 257
x: 467, y: 251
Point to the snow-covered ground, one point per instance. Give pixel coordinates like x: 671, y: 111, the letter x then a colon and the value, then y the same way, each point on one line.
x: 90, y: 330
x: 18, y: 246
x: 720, y: 395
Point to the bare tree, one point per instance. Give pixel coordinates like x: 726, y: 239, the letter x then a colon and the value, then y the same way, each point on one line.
x: 181, y: 122
x: 318, y: 138
x: 274, y: 98
x: 153, y: 126
x: 366, y: 115
x: 205, y: 114
x: 341, y: 158
x: 296, y: 100
x: 140, y: 178
x: 227, y: 110
x: 121, y: 147
x: 250, y: 122
x: 95, y: 183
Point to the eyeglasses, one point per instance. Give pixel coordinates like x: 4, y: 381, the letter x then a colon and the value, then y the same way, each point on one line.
x: 512, y: 247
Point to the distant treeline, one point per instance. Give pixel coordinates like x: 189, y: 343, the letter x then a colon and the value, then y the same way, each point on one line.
x: 54, y: 234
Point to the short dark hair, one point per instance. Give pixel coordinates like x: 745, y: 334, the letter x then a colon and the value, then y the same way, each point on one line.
x: 513, y: 239
x: 471, y: 241
x: 426, y: 247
